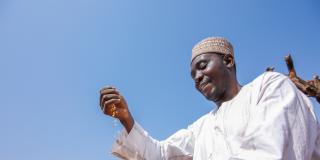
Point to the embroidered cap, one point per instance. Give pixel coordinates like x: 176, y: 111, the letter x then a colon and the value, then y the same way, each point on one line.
x: 212, y: 44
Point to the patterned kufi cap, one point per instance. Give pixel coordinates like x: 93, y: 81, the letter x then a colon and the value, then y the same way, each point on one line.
x: 212, y: 44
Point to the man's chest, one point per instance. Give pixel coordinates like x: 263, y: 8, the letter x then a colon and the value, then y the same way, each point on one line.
x: 222, y: 132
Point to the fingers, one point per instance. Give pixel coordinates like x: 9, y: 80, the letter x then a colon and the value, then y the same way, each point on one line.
x: 109, y: 97
x: 109, y: 91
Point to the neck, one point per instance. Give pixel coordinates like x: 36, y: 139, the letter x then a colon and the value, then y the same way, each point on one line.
x: 231, y: 91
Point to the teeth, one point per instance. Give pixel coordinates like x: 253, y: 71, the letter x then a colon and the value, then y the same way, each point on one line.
x: 203, y: 85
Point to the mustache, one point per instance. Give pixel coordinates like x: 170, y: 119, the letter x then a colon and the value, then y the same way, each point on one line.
x: 205, y: 80
x: 201, y: 82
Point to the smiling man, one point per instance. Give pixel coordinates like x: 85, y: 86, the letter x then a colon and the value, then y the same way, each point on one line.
x: 268, y: 118
x: 213, y: 70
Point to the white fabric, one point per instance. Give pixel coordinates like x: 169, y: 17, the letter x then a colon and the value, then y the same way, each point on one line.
x: 268, y: 119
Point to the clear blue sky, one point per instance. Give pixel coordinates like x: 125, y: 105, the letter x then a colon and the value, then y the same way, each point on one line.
x: 55, y: 55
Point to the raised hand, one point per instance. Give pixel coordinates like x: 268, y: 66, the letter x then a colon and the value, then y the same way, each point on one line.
x: 112, y: 103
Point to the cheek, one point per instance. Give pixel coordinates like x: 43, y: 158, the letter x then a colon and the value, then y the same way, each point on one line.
x: 214, y: 71
x: 218, y: 80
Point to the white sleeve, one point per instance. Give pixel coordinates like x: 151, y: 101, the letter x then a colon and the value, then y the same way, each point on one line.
x: 138, y: 145
x: 282, y: 123
x: 316, y: 153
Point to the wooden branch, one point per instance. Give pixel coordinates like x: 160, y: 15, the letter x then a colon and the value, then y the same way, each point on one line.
x: 311, y: 87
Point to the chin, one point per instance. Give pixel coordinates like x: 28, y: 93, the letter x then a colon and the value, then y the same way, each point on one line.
x: 213, y: 99
x: 214, y: 96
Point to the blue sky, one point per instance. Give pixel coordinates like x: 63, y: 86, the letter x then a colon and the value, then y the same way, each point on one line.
x: 55, y: 55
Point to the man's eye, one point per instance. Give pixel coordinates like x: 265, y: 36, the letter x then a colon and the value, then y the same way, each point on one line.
x: 202, y: 65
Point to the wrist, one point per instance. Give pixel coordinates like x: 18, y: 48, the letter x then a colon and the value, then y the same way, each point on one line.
x: 127, y: 122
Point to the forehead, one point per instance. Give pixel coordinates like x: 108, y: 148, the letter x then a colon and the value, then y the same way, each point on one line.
x: 204, y: 56
x: 201, y: 58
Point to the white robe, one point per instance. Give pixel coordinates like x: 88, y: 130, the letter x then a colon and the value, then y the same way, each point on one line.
x: 268, y: 119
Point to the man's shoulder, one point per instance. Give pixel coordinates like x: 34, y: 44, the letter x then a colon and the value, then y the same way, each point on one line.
x: 197, y: 125
x: 269, y: 77
x: 266, y: 83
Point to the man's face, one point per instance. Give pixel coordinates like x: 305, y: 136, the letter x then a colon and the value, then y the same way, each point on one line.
x: 210, y: 75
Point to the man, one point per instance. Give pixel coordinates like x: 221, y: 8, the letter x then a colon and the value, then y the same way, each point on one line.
x: 268, y: 118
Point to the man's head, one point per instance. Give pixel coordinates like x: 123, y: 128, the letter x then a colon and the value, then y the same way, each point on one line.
x: 213, y: 69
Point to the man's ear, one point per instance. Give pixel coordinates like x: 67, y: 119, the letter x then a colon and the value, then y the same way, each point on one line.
x: 228, y: 60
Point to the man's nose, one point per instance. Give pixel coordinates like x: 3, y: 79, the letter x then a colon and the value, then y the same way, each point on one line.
x: 198, y: 77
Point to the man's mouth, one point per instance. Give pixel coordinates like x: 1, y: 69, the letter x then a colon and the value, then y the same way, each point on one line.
x: 203, y: 85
